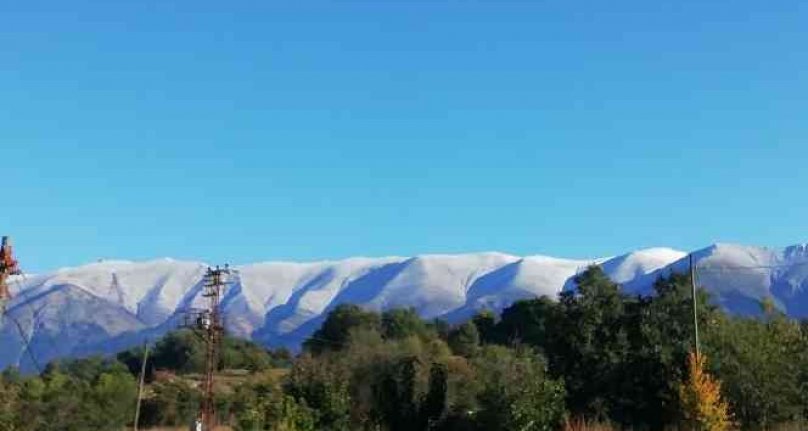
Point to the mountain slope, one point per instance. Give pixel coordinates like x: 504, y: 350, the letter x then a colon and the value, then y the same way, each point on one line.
x: 740, y: 276
x: 106, y: 306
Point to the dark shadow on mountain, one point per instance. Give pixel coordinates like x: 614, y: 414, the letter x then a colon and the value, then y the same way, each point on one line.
x: 360, y: 291
x: 740, y: 305
x: 494, y: 282
x: 367, y: 287
x: 43, y: 315
x: 283, y: 312
x: 793, y: 295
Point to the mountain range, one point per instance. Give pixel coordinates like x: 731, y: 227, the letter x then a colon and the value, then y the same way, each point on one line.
x: 107, y: 306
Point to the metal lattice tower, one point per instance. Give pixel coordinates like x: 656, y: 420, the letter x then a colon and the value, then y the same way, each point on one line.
x: 210, y: 323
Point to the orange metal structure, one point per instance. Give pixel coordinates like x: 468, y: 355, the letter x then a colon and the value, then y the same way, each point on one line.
x: 8, y: 266
x: 211, y: 324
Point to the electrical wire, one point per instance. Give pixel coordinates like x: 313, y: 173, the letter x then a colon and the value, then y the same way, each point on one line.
x: 26, y: 339
x: 27, y: 343
x: 724, y: 268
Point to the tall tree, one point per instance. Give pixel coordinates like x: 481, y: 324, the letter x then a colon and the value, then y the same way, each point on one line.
x: 464, y: 340
x: 594, y: 344
x: 516, y: 393
x: 403, y: 322
x: 335, y: 331
x: 702, y: 404
x: 761, y: 366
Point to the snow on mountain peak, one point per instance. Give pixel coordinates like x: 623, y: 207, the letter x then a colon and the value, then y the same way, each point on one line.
x: 629, y: 266
x: 108, y: 305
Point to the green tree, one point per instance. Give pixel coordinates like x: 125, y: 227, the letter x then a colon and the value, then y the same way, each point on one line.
x: 110, y: 401
x: 434, y: 403
x: 32, y: 411
x: 335, y: 331
x: 464, y: 340
x: 396, y: 394
x: 761, y: 365
x: 171, y: 403
x: 802, y: 376
x: 262, y: 405
x: 660, y: 331
x: 594, y: 344
x: 402, y: 323
x: 403, y: 405
x: 534, y: 322
x: 246, y: 355
x: 486, y: 324
x: 516, y: 392
x: 181, y: 351
x: 324, y: 386
x: 8, y: 405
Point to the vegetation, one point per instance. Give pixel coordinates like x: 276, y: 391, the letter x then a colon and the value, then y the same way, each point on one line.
x: 597, y: 358
x: 702, y: 405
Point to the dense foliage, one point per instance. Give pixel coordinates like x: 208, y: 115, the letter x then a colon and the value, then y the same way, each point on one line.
x: 624, y: 357
x: 703, y: 406
x: 596, y: 354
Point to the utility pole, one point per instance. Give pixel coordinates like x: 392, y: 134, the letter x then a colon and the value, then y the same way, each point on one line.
x: 212, y: 327
x: 142, y: 379
x: 695, y: 305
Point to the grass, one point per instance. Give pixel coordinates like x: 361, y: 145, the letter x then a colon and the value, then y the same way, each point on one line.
x: 221, y: 428
x: 579, y: 424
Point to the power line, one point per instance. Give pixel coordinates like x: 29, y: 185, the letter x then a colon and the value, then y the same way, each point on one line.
x: 26, y: 301
x: 748, y: 267
x: 27, y: 343
x: 8, y: 267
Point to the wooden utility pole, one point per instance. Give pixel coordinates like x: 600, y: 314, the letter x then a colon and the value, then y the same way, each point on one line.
x: 695, y: 305
x: 142, y: 379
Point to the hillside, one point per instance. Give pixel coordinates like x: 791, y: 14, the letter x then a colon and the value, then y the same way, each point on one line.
x: 111, y: 305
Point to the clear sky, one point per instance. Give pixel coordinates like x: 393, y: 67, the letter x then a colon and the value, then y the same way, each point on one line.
x: 233, y: 131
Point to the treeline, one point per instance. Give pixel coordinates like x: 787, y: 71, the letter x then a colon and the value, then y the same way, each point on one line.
x: 99, y: 394
x: 597, y: 354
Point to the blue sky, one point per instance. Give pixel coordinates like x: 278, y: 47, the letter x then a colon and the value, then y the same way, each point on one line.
x: 244, y: 131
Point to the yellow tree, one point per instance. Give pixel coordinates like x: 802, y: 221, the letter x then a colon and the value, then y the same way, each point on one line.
x: 700, y: 395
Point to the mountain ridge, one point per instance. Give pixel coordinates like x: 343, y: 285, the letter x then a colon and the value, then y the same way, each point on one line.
x: 280, y: 303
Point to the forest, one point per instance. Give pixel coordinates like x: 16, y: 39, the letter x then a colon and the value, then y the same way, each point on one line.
x: 594, y: 358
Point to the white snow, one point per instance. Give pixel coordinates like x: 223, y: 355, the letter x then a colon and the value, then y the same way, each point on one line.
x: 283, y: 302
x: 632, y: 265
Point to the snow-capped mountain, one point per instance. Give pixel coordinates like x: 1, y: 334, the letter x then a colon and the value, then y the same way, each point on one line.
x: 740, y: 276
x: 107, y: 306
